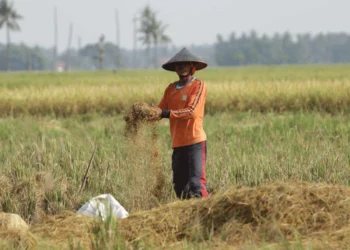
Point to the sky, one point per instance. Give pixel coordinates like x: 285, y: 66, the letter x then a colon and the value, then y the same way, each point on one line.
x: 190, y: 22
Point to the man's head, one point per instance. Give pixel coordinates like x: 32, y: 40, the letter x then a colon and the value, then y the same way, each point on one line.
x: 184, y: 69
x: 184, y: 63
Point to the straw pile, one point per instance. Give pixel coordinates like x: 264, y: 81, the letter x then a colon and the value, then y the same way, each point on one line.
x: 14, y: 232
x: 273, y: 214
x: 278, y: 215
x: 17, y: 239
x: 65, y: 230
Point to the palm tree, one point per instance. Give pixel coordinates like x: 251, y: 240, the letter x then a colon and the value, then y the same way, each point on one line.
x: 159, y: 37
x: 8, y: 18
x: 146, y: 18
x: 153, y: 32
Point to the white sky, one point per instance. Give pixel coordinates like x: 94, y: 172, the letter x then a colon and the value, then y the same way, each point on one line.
x: 189, y: 21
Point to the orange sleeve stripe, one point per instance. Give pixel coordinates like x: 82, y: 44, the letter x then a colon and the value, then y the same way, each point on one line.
x: 194, y: 103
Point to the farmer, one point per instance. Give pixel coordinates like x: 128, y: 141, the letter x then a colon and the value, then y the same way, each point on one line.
x: 183, y: 104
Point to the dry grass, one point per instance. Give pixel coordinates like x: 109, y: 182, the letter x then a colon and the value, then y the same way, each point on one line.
x: 17, y: 239
x: 277, y: 215
x: 63, y: 230
x: 231, y: 95
x: 29, y: 197
x: 279, y: 96
x: 273, y: 214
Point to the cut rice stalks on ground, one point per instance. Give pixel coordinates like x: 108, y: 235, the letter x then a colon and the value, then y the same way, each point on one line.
x: 277, y: 216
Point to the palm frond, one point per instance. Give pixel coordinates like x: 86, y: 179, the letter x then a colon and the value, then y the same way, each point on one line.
x: 13, y: 25
x: 15, y: 15
x: 9, y: 16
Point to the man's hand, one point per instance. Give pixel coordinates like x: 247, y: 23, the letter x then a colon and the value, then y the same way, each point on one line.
x: 157, y: 114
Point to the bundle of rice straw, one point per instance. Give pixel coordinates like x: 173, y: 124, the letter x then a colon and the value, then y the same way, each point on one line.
x: 139, y: 113
x: 10, y: 221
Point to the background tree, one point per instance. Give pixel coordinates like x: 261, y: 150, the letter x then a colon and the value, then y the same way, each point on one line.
x: 8, y: 18
x: 282, y: 48
x: 146, y: 23
x: 159, y: 36
x: 24, y: 57
x: 152, y: 32
x: 87, y: 57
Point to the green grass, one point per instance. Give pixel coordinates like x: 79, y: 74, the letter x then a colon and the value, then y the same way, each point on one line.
x: 243, y: 148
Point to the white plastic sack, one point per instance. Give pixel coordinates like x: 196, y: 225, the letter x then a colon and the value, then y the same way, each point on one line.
x: 101, y: 206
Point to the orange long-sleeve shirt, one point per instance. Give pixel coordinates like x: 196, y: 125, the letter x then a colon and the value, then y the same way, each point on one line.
x: 186, y: 107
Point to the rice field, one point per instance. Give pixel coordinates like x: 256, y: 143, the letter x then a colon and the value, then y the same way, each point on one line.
x: 268, y: 89
x: 265, y: 125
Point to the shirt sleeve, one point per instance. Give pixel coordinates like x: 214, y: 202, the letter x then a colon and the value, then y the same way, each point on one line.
x: 195, y: 104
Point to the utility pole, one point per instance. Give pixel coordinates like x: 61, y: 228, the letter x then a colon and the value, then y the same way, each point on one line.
x: 55, y: 50
x: 101, y: 49
x: 79, y: 53
x: 134, y: 64
x: 118, y: 54
x: 79, y: 44
x: 69, y: 45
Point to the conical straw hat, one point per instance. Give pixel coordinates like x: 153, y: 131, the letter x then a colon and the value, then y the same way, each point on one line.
x: 184, y: 56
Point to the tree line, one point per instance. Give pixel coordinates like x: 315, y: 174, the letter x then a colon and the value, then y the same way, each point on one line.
x: 246, y: 49
x: 282, y: 49
x: 234, y: 51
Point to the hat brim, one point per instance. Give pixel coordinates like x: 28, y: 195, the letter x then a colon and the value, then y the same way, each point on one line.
x: 171, y: 66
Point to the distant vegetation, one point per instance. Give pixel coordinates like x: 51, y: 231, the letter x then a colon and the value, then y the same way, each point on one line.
x: 234, y: 51
x: 154, y: 47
